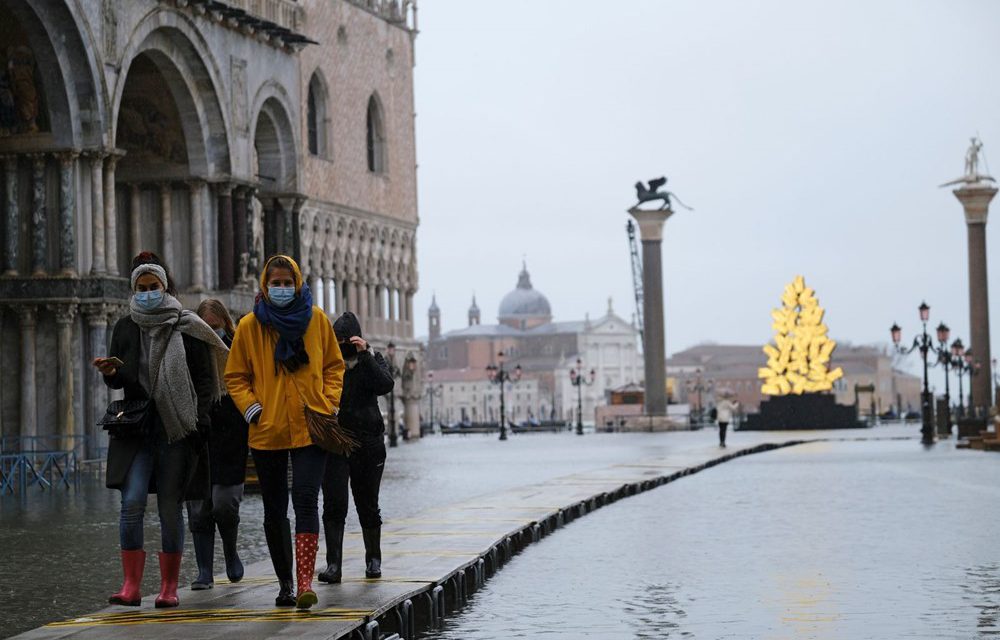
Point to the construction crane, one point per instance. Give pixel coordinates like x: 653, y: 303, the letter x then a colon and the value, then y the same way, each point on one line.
x: 636, y: 277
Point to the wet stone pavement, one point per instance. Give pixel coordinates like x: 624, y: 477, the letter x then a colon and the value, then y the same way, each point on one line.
x: 61, y: 560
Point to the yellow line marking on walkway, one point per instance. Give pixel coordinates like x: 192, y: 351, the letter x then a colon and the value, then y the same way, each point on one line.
x: 194, y: 616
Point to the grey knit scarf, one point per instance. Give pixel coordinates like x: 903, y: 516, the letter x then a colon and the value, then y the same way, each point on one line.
x: 172, y: 388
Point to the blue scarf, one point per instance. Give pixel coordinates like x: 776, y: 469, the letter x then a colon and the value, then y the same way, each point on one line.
x: 291, y: 323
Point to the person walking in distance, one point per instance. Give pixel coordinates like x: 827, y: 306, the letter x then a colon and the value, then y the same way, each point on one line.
x: 227, y: 464
x: 285, y: 369
x: 367, y: 377
x: 169, y: 362
x: 725, y: 410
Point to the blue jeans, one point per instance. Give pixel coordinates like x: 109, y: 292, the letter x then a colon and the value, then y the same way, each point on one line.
x: 169, y: 462
x: 308, y: 464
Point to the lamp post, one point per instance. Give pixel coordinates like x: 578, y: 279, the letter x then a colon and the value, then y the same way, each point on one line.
x: 958, y: 363
x: 390, y: 351
x: 945, y: 360
x: 967, y: 364
x: 699, y: 386
x: 996, y: 382
x: 925, y: 344
x: 431, y: 393
x: 499, y: 375
x: 577, y: 379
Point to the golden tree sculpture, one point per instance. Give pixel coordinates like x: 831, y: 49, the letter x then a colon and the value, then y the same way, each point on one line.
x: 798, y: 360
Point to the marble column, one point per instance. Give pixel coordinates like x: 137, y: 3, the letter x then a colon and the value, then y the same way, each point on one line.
x: 654, y: 347
x: 197, y: 237
x: 392, y: 321
x: 39, y: 219
x: 99, y: 262
x: 65, y: 315
x: 364, y: 297
x: 111, y: 212
x: 166, y: 222
x: 338, y: 294
x: 975, y: 199
x: 226, y: 257
x: 13, y: 219
x: 241, y: 222
x: 67, y: 211
x: 29, y: 404
x: 96, y: 392
x: 409, y: 314
x: 135, y: 218
x: 352, y: 296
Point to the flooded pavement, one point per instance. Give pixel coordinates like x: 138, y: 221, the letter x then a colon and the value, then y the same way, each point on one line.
x: 61, y: 548
x: 827, y: 540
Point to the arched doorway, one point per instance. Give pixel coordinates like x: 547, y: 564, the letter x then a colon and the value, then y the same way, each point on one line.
x: 171, y: 128
x: 275, y: 216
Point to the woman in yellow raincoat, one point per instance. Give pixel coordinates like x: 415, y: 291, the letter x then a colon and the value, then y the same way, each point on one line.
x: 284, y: 363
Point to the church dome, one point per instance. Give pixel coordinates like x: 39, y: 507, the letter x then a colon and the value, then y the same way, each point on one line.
x: 524, y: 304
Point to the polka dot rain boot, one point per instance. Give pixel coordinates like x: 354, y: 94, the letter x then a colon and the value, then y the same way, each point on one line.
x: 306, y: 545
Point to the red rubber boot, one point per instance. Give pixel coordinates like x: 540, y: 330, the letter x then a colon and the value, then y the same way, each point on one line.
x: 306, y: 545
x: 133, y: 563
x: 170, y: 569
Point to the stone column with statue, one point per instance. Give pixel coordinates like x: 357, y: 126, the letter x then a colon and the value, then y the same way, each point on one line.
x: 975, y: 191
x: 654, y: 345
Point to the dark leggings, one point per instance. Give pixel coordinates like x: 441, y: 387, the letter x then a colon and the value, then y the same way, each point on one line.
x: 722, y: 432
x: 307, y: 475
x: 364, y: 469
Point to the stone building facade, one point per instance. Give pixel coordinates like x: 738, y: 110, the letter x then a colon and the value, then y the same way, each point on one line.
x: 546, y: 351
x: 215, y: 134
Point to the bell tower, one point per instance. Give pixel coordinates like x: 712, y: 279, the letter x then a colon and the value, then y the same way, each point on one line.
x: 434, y: 320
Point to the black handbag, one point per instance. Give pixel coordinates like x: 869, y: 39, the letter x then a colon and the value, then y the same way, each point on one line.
x: 127, y: 418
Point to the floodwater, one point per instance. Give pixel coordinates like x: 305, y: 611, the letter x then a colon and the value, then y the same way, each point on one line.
x: 59, y: 554
x: 844, y: 540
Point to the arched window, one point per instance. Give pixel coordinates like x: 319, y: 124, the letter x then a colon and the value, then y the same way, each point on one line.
x: 375, y: 137
x: 316, y: 117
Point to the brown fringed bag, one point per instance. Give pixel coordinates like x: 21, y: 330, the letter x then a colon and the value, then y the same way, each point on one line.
x: 325, y: 430
x: 326, y: 433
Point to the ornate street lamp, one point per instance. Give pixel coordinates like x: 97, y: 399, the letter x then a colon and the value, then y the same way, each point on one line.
x: 699, y: 386
x: 432, y: 392
x: 577, y: 379
x: 499, y: 375
x: 944, y: 359
x: 925, y: 344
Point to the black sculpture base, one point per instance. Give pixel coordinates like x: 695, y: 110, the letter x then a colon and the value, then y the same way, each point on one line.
x: 803, y: 412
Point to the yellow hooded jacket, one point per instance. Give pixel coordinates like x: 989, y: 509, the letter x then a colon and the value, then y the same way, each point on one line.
x: 278, y: 397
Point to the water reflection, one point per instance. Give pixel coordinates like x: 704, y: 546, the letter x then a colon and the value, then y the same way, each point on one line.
x: 656, y: 611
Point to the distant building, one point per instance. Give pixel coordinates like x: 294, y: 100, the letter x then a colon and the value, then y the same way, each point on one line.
x: 545, y: 350
x: 466, y: 395
x: 714, y: 366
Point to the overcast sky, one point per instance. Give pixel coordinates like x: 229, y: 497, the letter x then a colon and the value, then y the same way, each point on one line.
x: 810, y: 137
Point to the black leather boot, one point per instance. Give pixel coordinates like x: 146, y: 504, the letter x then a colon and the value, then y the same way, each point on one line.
x: 334, y: 551
x: 373, y: 552
x: 204, y: 554
x: 234, y: 566
x: 279, y: 545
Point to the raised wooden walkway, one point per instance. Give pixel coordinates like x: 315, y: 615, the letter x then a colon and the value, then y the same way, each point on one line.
x: 431, y: 563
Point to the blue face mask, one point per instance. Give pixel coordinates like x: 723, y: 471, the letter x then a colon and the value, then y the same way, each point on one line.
x: 221, y: 333
x: 149, y: 300
x: 281, y: 296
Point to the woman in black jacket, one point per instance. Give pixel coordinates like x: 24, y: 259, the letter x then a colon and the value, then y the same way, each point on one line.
x: 366, y: 377
x: 169, y: 357
x: 227, y: 464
